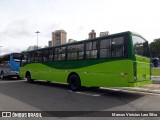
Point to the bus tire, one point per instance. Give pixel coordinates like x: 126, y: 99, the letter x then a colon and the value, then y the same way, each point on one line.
x: 28, y: 77
x: 74, y: 82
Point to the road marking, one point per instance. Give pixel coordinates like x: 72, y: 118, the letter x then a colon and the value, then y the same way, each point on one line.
x: 86, y: 93
x: 89, y: 94
x: 11, y: 81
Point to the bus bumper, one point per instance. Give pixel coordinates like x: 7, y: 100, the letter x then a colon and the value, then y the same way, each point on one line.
x: 14, y: 73
x: 140, y: 83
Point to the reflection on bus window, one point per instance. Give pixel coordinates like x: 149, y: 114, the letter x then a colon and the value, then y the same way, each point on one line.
x: 141, y: 46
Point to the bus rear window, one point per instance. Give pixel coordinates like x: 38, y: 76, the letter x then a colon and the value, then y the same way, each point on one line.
x: 140, y: 46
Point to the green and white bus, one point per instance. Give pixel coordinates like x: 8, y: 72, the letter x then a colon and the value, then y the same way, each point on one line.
x: 117, y: 60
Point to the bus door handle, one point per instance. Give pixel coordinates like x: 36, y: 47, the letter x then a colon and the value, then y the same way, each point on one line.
x: 124, y: 74
x: 86, y: 72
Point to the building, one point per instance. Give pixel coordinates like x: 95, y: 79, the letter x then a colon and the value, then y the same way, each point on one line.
x: 92, y: 34
x: 104, y: 34
x: 71, y: 40
x: 34, y: 47
x: 59, y: 37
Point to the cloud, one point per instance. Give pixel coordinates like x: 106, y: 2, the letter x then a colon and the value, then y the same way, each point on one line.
x: 21, y: 19
x: 14, y: 36
x: 16, y: 29
x: 9, y: 49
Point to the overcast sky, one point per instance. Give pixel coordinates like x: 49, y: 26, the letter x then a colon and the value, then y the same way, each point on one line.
x: 20, y: 19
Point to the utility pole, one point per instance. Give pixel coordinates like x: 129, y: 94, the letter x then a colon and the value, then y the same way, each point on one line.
x: 37, y: 37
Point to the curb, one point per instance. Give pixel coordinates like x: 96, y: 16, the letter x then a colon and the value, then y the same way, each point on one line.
x: 156, y: 81
x: 155, y: 78
x: 133, y: 89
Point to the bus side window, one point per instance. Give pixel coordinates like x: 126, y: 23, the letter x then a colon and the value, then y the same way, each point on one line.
x: 62, y: 53
x: 56, y: 54
x: 117, y: 46
x: 6, y: 59
x: 30, y: 57
x: 36, y: 56
x: 105, y: 48
x: 1, y: 61
x: 40, y: 56
x: 46, y: 55
x: 72, y: 54
x: 51, y: 53
x: 75, y: 52
x: 91, y: 50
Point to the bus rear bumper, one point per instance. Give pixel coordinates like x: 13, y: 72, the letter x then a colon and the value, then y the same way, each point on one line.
x: 13, y: 73
x: 140, y: 83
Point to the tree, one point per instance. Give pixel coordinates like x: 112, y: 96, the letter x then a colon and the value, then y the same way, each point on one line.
x: 155, y: 48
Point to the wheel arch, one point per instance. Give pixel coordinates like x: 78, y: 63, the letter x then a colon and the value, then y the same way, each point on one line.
x: 27, y: 73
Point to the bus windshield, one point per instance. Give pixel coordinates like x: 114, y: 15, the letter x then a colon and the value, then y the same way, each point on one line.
x: 140, y: 46
x: 17, y: 57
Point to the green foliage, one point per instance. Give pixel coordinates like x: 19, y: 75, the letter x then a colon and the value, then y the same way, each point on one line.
x: 155, y: 48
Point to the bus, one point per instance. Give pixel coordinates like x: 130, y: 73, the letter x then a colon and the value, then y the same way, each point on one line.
x: 117, y: 60
x: 10, y: 65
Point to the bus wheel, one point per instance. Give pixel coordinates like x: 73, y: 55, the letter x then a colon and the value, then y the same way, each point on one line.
x: 74, y: 82
x: 29, y: 80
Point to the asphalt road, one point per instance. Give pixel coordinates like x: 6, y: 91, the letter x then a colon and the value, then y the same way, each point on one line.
x: 18, y: 95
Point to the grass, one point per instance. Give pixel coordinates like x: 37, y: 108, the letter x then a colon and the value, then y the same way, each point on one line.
x: 155, y: 71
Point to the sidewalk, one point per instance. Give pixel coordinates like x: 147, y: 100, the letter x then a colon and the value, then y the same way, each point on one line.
x: 151, y: 88
x: 156, y: 79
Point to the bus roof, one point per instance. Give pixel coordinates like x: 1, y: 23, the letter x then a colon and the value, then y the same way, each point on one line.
x: 81, y: 41
x: 137, y: 34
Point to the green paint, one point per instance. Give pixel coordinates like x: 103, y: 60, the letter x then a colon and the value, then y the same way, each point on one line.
x: 109, y: 73
x: 143, y: 68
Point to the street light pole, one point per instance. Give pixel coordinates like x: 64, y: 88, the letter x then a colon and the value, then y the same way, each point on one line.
x: 37, y: 38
